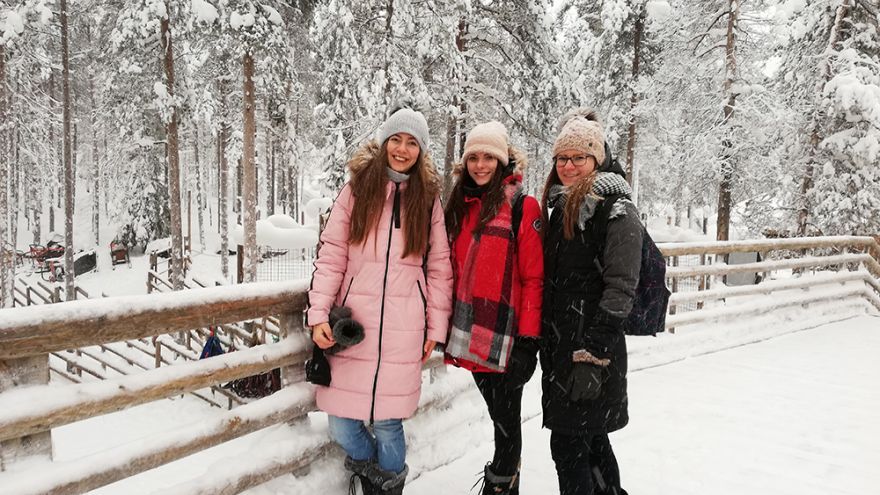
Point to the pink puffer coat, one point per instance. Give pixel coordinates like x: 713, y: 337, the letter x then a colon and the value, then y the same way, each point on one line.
x: 380, y: 378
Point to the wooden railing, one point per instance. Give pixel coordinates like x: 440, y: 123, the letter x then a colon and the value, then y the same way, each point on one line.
x: 792, y: 272
x: 79, y: 361
x: 28, y: 338
x: 846, y: 272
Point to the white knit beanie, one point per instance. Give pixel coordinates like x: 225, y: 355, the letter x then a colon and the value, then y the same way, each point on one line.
x: 405, y: 120
x: 489, y: 138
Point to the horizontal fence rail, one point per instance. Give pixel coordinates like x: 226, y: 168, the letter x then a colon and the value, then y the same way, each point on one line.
x: 81, y: 323
x: 818, y: 269
x: 794, y: 273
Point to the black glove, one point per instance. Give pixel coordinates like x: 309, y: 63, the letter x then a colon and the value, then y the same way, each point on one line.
x: 584, y: 382
x: 318, y: 368
x: 522, y: 363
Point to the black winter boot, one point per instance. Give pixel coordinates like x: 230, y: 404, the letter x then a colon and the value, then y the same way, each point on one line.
x: 392, y: 483
x: 364, y: 471
x: 494, y: 484
x: 375, y: 480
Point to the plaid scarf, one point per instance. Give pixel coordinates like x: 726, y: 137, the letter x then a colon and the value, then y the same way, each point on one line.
x: 606, y: 184
x: 483, y: 316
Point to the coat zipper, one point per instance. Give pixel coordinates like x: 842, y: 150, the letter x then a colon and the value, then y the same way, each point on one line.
x: 425, y: 306
x: 345, y: 297
x: 395, y: 222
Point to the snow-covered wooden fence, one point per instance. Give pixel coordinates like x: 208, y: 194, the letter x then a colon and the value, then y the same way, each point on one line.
x: 28, y: 335
x: 847, y: 271
x: 793, y: 273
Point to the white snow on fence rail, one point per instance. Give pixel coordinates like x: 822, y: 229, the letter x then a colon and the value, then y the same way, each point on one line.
x: 117, y: 307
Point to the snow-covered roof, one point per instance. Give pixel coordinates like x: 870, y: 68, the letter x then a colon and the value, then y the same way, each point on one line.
x: 280, y: 232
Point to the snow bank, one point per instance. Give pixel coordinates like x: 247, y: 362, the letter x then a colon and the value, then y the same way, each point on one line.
x: 280, y: 232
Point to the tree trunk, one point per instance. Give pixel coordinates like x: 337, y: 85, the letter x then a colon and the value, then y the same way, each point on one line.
x: 249, y: 193
x: 68, y: 160
x: 36, y: 202
x: 449, y: 160
x: 632, y: 174
x: 818, y: 118
x: 173, y: 158
x: 96, y: 163
x: 292, y: 170
x: 96, y: 183
x: 14, y: 204
x: 4, y: 123
x: 461, y: 45
x: 727, y: 170
x: 53, y: 151
x: 389, y: 16
x: 200, y: 195
x: 270, y: 175
x: 222, y: 208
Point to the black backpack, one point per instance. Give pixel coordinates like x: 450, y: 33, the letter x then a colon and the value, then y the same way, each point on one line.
x: 648, y: 315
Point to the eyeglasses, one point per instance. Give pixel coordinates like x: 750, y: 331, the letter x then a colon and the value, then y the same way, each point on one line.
x: 577, y: 161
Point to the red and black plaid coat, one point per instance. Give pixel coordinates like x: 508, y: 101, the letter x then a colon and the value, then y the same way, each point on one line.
x: 498, y: 287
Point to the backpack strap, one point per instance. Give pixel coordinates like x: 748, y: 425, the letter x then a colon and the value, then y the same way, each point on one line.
x: 516, y: 214
x: 600, y: 224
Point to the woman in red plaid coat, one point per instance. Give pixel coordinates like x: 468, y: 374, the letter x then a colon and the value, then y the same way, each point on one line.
x: 498, y: 269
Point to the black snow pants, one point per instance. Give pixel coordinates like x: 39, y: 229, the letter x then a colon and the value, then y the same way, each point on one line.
x: 505, y: 404
x: 585, y: 464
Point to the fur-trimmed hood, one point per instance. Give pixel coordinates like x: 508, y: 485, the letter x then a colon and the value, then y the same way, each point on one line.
x: 515, y: 155
x: 369, y: 151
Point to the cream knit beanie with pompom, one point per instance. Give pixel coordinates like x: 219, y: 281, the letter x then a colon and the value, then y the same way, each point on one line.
x: 581, y: 131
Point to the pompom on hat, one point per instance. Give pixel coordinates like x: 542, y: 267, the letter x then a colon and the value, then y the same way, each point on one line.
x: 580, y: 130
x: 405, y: 120
x: 489, y: 138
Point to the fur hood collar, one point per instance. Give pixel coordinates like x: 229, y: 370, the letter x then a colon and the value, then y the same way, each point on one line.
x: 369, y: 151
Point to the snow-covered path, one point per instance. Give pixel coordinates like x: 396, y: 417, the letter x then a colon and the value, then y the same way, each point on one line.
x: 796, y: 414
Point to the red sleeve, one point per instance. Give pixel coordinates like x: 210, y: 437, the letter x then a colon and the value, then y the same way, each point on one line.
x: 530, y: 261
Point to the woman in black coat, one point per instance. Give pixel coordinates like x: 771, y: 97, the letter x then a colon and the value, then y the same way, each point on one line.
x: 589, y: 286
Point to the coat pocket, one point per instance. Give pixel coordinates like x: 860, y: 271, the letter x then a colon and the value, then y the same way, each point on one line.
x: 347, y: 290
x: 422, y: 295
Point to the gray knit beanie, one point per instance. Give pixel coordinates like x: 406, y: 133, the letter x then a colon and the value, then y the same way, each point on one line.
x: 405, y: 120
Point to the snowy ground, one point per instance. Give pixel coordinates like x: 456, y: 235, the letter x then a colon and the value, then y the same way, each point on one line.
x: 792, y: 414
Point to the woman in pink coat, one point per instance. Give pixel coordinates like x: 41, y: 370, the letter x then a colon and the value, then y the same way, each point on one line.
x: 384, y: 254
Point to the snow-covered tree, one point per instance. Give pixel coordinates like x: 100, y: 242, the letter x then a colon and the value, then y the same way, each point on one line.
x: 835, y: 110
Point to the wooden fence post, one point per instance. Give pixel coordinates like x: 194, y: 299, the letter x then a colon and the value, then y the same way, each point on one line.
x: 33, y: 370
x: 290, y: 325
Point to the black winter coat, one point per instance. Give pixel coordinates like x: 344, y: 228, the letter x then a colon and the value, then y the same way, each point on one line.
x: 581, y: 294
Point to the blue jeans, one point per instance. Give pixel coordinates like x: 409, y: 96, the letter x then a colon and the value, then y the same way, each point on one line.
x: 385, y: 443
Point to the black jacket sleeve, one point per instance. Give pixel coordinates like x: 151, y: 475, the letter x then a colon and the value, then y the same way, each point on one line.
x: 620, y: 273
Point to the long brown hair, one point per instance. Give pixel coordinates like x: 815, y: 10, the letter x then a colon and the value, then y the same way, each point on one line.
x: 368, y: 179
x: 577, y: 193
x: 491, y: 203
x: 495, y: 195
